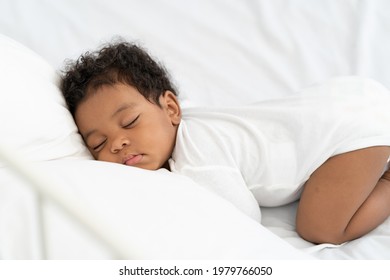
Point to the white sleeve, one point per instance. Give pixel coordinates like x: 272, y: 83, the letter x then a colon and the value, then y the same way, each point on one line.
x: 227, y: 183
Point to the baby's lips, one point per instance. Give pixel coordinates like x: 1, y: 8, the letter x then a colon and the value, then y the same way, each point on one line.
x: 133, y: 160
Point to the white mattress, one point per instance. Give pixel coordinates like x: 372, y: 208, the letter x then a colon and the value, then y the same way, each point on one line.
x: 219, y: 53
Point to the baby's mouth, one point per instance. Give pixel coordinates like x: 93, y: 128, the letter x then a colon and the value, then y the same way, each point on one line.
x: 132, y: 160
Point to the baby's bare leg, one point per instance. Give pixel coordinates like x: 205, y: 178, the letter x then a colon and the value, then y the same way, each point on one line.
x: 346, y: 197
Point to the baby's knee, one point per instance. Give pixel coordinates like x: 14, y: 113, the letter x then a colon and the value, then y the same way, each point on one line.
x: 318, y: 233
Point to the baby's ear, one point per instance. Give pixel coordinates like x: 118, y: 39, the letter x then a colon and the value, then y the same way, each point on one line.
x: 171, y: 105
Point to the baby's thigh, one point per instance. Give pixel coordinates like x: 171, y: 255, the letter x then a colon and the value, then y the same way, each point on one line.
x: 336, y: 190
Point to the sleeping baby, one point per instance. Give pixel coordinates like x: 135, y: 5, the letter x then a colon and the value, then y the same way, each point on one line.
x: 327, y: 146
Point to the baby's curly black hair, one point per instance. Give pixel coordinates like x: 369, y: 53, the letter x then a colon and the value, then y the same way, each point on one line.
x: 120, y: 62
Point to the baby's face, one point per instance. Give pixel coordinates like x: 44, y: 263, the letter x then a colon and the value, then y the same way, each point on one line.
x: 119, y: 125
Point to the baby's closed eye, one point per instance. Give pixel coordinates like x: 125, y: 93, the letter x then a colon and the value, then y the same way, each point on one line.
x: 131, y: 123
x: 97, y: 147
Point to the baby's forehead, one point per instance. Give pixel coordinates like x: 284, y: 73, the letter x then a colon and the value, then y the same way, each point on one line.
x: 97, y: 86
x: 122, y: 92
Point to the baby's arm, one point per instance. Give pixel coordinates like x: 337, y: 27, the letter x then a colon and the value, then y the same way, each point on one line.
x: 346, y: 197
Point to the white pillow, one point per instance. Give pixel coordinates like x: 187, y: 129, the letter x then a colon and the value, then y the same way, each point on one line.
x: 144, y: 214
x: 34, y: 119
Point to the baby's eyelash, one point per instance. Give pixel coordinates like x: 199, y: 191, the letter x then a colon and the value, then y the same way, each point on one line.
x: 99, y: 146
x: 132, y: 122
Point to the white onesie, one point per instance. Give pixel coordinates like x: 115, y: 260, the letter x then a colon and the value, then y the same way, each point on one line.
x: 262, y: 154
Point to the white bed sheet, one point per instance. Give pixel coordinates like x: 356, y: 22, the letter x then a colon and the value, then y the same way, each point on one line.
x: 228, y: 52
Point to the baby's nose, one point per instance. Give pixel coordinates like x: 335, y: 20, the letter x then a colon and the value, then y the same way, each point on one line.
x: 119, y: 143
